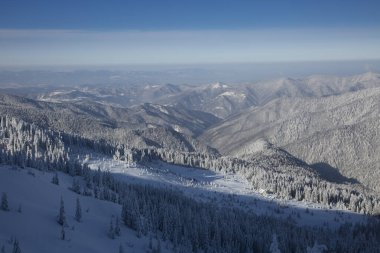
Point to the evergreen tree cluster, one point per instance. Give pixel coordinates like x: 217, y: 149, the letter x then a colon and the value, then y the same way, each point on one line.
x: 27, y: 145
x: 193, y: 226
x: 292, y: 181
x: 4, y: 202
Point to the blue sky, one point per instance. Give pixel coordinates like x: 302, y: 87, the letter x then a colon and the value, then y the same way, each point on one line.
x: 153, y: 32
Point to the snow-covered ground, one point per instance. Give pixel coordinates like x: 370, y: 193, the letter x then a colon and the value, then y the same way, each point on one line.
x: 37, y: 230
x: 36, y: 227
x: 226, y: 190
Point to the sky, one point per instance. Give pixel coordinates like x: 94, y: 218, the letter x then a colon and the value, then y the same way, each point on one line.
x: 94, y: 32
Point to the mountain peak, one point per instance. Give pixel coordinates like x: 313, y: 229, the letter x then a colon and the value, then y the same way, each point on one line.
x: 368, y: 76
x: 257, y: 146
x: 218, y: 85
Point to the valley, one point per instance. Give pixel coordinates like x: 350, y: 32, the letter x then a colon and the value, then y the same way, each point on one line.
x: 301, y: 151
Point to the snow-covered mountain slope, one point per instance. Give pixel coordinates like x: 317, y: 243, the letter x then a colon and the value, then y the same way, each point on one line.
x: 224, y: 100
x: 98, y: 114
x: 313, y: 86
x: 225, y: 190
x: 34, y: 204
x: 192, y: 208
x: 272, y: 170
x: 216, y: 98
x: 278, y: 176
x: 147, y: 125
x: 219, y: 99
x: 341, y: 131
x: 122, y: 96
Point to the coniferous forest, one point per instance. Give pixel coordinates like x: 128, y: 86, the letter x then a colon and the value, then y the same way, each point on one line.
x: 190, y: 225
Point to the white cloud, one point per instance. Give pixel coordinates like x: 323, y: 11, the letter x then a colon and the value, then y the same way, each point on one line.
x: 202, y: 46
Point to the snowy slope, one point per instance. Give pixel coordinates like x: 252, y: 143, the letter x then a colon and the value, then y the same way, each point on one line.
x: 36, y: 227
x: 339, y: 131
x: 226, y: 190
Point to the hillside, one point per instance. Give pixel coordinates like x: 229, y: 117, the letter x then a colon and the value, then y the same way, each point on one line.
x: 147, y: 125
x: 33, y: 209
x: 219, y: 99
x: 339, y: 131
x: 264, y: 193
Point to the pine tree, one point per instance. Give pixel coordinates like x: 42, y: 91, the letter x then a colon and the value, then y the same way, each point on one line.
x: 317, y: 248
x: 78, y: 212
x: 159, y: 246
x: 63, y: 234
x: 150, y: 242
x: 62, y: 216
x: 55, y: 179
x: 117, y: 227
x: 16, y: 247
x: 76, y: 186
x: 4, y: 202
x: 124, y: 213
x: 121, y: 249
x: 111, y: 231
x: 274, y: 245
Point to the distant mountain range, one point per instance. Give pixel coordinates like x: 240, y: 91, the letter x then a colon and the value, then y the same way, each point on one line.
x: 330, y: 123
x: 335, y: 133
x: 220, y: 99
x: 147, y: 125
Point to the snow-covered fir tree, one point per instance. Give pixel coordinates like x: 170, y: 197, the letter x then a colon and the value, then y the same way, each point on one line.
x: 274, y: 245
x: 111, y: 230
x: 16, y: 247
x: 117, y: 227
x: 76, y: 186
x: 78, y: 211
x: 55, y: 179
x: 4, y: 202
x: 121, y: 249
x: 61, y: 219
x: 317, y: 248
x: 63, y: 233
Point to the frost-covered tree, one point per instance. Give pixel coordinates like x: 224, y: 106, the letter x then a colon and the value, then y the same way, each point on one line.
x: 159, y: 249
x: 117, y: 227
x: 78, y: 211
x: 317, y: 248
x: 111, y: 231
x: 76, y: 186
x: 121, y: 249
x: 150, y: 242
x: 55, y: 179
x: 16, y: 247
x: 278, y: 174
x: 63, y: 233
x: 274, y: 245
x: 4, y: 202
x: 61, y: 219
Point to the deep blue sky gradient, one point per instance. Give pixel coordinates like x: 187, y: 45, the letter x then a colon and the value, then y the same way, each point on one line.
x: 37, y: 32
x: 186, y: 14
